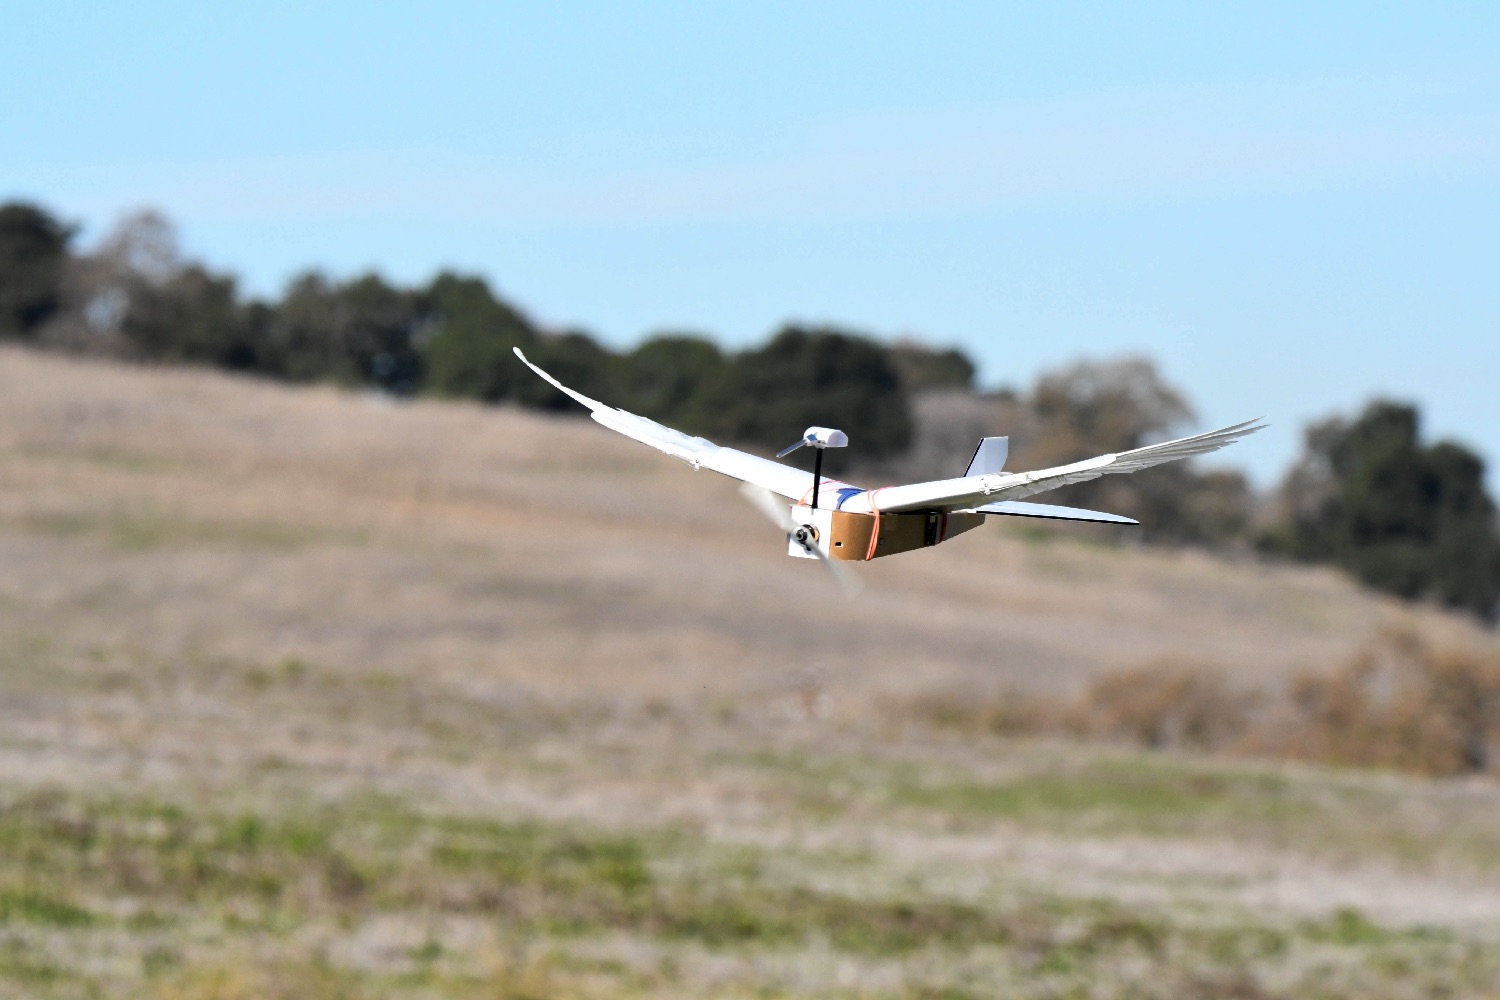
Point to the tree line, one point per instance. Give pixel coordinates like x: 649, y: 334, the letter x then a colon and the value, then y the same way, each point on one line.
x: 1368, y: 494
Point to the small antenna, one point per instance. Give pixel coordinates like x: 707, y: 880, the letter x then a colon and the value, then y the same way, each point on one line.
x: 817, y: 438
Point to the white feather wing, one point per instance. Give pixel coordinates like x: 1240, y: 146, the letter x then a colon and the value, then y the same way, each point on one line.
x: 952, y: 494
x: 695, y: 451
x: 945, y: 494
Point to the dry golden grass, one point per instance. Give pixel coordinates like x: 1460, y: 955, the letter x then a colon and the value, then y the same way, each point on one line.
x: 481, y: 540
x: 304, y: 693
x: 1403, y: 702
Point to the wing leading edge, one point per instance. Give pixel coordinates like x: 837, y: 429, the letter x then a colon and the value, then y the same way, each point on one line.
x: 695, y: 451
x: 971, y: 492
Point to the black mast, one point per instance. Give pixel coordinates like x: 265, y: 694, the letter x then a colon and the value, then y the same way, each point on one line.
x: 817, y: 475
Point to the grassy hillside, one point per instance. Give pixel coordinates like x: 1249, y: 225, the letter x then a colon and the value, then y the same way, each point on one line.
x: 307, y: 694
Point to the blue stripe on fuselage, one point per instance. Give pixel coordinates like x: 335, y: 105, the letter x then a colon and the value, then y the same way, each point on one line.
x: 845, y: 494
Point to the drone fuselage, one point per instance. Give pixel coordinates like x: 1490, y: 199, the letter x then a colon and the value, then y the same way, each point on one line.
x: 849, y: 537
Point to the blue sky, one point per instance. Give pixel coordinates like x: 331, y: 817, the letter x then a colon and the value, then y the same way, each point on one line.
x: 1290, y: 207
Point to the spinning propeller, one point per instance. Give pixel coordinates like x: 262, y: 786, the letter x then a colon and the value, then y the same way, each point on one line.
x: 805, y: 535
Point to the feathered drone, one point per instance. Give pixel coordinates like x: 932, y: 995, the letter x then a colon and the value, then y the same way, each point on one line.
x: 837, y: 522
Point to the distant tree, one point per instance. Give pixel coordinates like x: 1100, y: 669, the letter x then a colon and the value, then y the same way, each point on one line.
x: 363, y: 332
x: 33, y: 262
x: 806, y: 376
x: 467, y: 350
x: 666, y: 376
x: 192, y: 316
x: 1093, y: 407
x: 1097, y: 407
x: 468, y: 338
x: 922, y: 368
x: 134, y: 296
x: 1410, y: 519
x: 306, y: 334
x: 142, y: 245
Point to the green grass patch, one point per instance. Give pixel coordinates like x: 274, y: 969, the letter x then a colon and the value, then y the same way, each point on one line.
x: 30, y: 905
x: 1107, y: 792
x: 1349, y: 927
x: 1141, y: 794
x: 1135, y: 792
x: 263, y: 878
x: 372, y: 855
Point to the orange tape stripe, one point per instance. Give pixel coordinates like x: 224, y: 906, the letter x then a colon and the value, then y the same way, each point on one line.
x: 874, y: 535
x: 822, y: 488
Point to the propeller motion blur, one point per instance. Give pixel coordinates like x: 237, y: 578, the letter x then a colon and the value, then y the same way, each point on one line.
x: 836, y: 522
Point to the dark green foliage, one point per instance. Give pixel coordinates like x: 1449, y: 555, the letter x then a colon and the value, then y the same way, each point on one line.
x: 454, y: 338
x: 577, y: 361
x: 359, y: 333
x: 666, y: 376
x: 922, y: 368
x: 33, y: 258
x: 193, y: 316
x: 804, y: 376
x: 767, y: 396
x: 1407, y: 518
x: 468, y: 349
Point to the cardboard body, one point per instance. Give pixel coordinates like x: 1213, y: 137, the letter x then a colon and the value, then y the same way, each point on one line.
x: 846, y: 537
